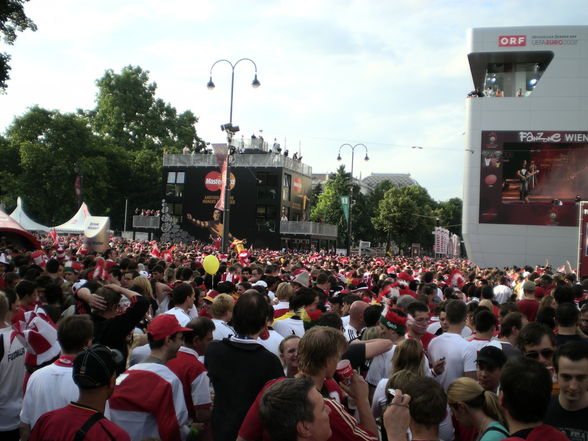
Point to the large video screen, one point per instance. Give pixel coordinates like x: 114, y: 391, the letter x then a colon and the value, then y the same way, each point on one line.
x: 533, y: 178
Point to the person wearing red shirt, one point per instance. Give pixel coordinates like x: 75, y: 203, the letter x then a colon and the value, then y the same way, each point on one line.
x: 529, y: 305
x: 319, y: 352
x: 94, y: 372
x: 294, y: 409
x: 192, y: 373
x: 28, y: 297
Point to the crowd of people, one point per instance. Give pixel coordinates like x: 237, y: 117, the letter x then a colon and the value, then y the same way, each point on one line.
x: 145, y: 342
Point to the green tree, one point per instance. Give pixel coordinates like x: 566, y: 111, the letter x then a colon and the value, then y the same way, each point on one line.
x: 449, y: 213
x: 405, y: 215
x: 12, y: 20
x: 42, y: 147
x: 128, y: 112
x: 328, y: 207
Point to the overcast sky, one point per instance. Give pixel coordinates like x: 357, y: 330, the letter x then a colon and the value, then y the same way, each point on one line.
x: 387, y: 73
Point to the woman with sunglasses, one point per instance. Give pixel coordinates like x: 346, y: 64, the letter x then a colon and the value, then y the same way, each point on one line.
x: 475, y: 407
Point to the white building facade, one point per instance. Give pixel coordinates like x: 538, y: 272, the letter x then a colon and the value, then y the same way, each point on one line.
x: 526, y: 159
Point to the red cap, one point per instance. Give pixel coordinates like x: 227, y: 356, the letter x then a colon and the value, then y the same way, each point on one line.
x: 165, y: 325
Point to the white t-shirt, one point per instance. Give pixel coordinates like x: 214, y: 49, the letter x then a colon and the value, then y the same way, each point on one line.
x: 139, y: 353
x: 289, y: 326
x: 12, y: 370
x: 180, y: 314
x: 345, y: 319
x: 502, y: 293
x: 480, y: 343
x: 272, y: 343
x: 350, y: 332
x: 49, y: 388
x: 435, y: 326
x: 221, y: 330
x: 460, y: 357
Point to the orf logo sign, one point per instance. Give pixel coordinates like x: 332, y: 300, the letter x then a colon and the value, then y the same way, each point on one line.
x: 213, y: 181
x: 512, y: 40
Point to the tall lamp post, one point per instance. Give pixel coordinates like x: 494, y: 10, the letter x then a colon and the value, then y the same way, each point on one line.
x: 352, y: 147
x: 231, y: 130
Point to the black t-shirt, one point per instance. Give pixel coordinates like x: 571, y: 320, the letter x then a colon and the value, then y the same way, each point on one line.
x: 355, y: 353
x: 563, y: 339
x: 574, y: 424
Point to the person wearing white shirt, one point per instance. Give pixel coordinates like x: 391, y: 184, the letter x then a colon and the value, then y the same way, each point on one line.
x: 12, y: 370
x: 221, y: 310
x: 183, y: 298
x: 356, y: 320
x: 502, y: 292
x: 485, y: 324
x: 52, y: 387
x: 459, y: 354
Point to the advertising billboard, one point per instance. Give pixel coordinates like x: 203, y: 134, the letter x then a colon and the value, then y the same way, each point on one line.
x: 532, y: 177
x: 259, y: 199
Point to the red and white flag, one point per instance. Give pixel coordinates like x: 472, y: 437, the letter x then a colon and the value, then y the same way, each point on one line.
x: 456, y: 279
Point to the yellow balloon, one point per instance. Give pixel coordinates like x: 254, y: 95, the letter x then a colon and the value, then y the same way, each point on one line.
x: 210, y: 264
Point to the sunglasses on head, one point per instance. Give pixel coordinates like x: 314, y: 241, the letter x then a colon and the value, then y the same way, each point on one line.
x: 545, y: 353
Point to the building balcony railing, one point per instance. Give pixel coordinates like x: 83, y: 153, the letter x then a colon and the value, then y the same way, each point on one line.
x: 146, y: 222
x: 239, y: 160
x: 308, y: 228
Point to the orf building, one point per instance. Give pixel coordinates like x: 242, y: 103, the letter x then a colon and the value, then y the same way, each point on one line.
x: 526, y: 160
x: 270, y: 195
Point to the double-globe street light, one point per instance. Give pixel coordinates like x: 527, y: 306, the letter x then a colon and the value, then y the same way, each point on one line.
x: 353, y: 147
x: 231, y: 130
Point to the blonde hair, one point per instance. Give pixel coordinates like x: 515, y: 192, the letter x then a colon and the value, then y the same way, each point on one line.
x: 400, y: 379
x: 319, y: 345
x: 284, y: 291
x: 221, y: 304
x: 487, y: 303
x: 547, y: 301
x: 408, y: 355
x: 144, y: 284
x: 468, y: 391
x: 371, y: 333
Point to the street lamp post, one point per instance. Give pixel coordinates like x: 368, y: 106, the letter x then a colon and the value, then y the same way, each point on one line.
x: 231, y: 130
x: 353, y: 147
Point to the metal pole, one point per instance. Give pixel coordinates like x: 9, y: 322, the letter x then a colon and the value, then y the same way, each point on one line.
x: 350, y: 205
x: 126, y: 207
x: 227, y: 211
x: 230, y: 133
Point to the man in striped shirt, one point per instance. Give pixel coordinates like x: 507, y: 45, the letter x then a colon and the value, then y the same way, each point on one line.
x: 148, y: 401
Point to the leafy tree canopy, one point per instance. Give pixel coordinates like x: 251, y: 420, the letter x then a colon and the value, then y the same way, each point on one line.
x: 117, y: 148
x: 12, y: 20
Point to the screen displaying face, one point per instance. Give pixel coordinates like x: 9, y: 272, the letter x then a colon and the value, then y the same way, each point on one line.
x: 533, y: 178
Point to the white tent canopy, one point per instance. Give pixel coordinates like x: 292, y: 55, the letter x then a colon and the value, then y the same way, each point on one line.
x: 76, y: 224
x: 24, y: 220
